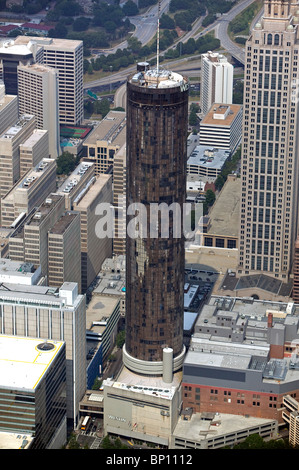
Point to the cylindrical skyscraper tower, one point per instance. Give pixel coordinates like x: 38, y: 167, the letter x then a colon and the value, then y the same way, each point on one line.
x: 157, y: 121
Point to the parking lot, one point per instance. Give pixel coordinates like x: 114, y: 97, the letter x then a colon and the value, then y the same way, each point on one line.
x: 204, y: 279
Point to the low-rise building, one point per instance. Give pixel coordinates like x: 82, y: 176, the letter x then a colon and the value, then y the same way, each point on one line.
x: 215, y: 431
x: 242, y: 358
x: 141, y: 407
x: 207, y: 161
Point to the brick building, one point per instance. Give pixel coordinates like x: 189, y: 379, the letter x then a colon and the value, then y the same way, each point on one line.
x: 242, y: 358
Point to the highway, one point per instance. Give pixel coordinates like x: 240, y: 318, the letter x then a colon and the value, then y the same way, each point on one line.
x: 146, y: 26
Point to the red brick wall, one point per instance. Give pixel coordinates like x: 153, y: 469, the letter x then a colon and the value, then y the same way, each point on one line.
x: 231, y: 401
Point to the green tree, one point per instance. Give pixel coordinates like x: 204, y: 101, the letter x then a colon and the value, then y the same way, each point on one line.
x: 102, y: 107
x: 130, y: 8
x: 166, y: 22
x: 210, y: 197
x: 120, y: 339
x: 193, y: 119
x: 134, y: 44
x: 97, y: 384
x: 73, y: 444
x: 66, y: 163
x: 81, y: 24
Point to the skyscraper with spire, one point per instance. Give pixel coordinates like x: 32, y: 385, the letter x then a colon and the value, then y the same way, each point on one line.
x: 270, y: 166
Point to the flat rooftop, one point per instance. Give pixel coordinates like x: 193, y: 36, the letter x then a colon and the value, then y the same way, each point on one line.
x: 39, y: 68
x: 112, y: 277
x: 208, y: 157
x: 14, y: 130
x: 10, y: 440
x: 6, y: 101
x: 98, y: 311
x: 227, y: 111
x: 145, y: 385
x: 63, y: 223
x: 36, y: 295
x: 8, y: 48
x: 112, y: 128
x: 15, y: 268
x: 49, y: 43
x: 69, y: 185
x: 199, y: 428
x: 225, y: 213
x: 33, y: 138
x: 24, y: 361
x: 90, y: 192
x: 44, y: 209
x: 31, y: 178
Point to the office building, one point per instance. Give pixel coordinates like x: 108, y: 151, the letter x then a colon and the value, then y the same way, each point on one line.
x: 222, y: 127
x: 242, y: 358
x: 66, y: 56
x: 79, y: 180
x: 29, y: 240
x: 295, y: 293
x: 33, y: 392
x: 52, y: 314
x: 38, y: 95
x: 269, y: 166
x: 216, y: 80
x: 33, y: 150
x: 9, y: 112
x: 10, y: 142
x: 64, y: 245
x: 105, y: 140
x: 119, y: 201
x: 157, y: 109
x: 29, y: 192
x: 94, y: 248
x: 11, y: 56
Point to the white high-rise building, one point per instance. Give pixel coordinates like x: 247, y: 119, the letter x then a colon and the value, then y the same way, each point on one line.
x: 216, y: 80
x: 66, y: 56
x: 38, y: 95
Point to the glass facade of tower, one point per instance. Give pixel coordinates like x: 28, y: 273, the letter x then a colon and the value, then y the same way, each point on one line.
x: 156, y: 174
x: 269, y: 213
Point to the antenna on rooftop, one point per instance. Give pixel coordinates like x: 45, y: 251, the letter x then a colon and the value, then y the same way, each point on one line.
x: 158, y: 35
